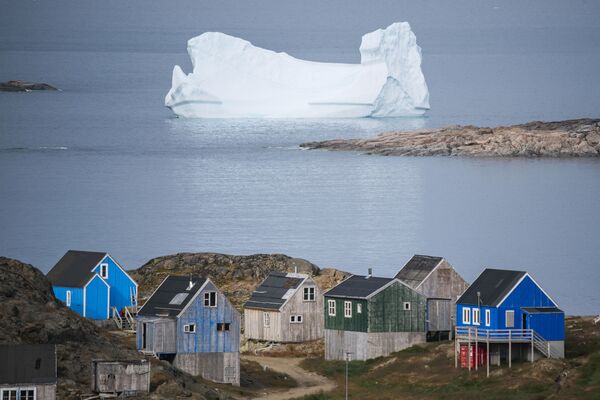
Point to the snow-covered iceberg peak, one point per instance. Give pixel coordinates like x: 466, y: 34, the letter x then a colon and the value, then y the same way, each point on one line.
x: 232, y: 78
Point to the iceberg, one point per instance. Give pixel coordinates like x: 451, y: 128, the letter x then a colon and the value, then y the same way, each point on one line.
x: 232, y: 78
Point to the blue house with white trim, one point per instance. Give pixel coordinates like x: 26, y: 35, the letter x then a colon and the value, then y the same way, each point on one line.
x: 92, y: 284
x: 191, y: 323
x: 503, y: 305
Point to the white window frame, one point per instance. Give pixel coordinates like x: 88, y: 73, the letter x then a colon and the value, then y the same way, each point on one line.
x: 189, y: 328
x: 466, y: 315
x: 347, y: 309
x: 266, y: 319
x: 12, y: 389
x: 309, y: 293
x: 406, y: 306
x: 506, y: 318
x: 104, y: 270
x: 296, y: 319
x: 207, y: 296
x: 476, y: 316
x: 488, y: 317
x: 68, y: 298
x: 331, y: 308
x: 359, y: 308
x: 22, y: 389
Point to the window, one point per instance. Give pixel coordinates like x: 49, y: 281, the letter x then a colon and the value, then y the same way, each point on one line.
x: 476, y: 316
x: 23, y: 394
x: 9, y: 394
x: 223, y: 327
x: 189, y: 328
x: 210, y: 299
x: 266, y: 320
x: 347, y: 309
x: 309, y: 293
x: 359, y: 308
x: 488, y: 317
x: 68, y: 300
x: 331, y: 308
x: 27, y: 394
x: 104, y: 271
x: 510, y: 319
x: 466, y: 315
x: 295, y: 319
x: 406, y: 306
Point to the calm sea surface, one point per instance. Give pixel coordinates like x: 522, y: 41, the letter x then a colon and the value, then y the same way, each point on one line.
x: 102, y: 165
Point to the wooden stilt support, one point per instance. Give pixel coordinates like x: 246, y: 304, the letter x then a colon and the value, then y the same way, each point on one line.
x: 469, y: 348
x: 532, y: 348
x: 487, y: 362
x: 456, y: 349
x: 476, y: 348
x: 510, y: 348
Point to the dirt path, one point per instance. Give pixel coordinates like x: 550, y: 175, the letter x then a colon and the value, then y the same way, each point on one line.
x: 308, y: 382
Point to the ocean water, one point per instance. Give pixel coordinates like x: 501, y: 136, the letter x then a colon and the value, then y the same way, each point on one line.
x: 102, y: 165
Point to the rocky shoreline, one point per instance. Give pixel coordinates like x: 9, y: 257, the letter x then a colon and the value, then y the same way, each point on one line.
x: 23, y: 86
x: 570, y: 138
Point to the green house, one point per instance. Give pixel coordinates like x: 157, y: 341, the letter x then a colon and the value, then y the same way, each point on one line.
x: 371, y: 317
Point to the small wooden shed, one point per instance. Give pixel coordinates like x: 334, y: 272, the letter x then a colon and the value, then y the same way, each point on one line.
x: 126, y: 377
x: 190, y: 322
x: 28, y: 372
x: 437, y: 280
x: 286, y: 307
x: 371, y: 317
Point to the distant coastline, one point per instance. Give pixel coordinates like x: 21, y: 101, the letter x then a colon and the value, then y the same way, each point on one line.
x: 570, y: 138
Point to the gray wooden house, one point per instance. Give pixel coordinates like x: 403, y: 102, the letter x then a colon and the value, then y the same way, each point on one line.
x: 371, y: 317
x: 127, y: 377
x: 437, y: 280
x: 191, y: 323
x: 286, y: 307
x: 28, y: 372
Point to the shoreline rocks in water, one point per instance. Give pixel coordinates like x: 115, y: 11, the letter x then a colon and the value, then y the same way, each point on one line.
x: 23, y: 86
x: 571, y: 138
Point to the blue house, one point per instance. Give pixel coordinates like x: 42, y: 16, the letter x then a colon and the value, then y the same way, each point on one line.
x: 191, y: 323
x: 92, y: 284
x: 509, y: 308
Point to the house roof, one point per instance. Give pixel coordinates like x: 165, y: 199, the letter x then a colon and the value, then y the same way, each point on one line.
x: 274, y: 291
x: 171, y: 297
x: 493, y: 285
x: 74, y: 269
x: 358, y: 286
x: 27, y: 363
x: 417, y: 269
x: 541, y: 310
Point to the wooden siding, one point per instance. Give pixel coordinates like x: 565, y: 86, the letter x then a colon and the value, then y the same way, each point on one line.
x: 386, y: 312
x: 76, y: 297
x: 438, y: 315
x: 280, y: 329
x: 357, y: 323
x: 367, y: 345
x: 120, y: 376
x: 96, y: 295
x: 42, y: 391
x: 206, y: 338
x: 121, y: 284
x: 216, y: 367
x: 160, y: 335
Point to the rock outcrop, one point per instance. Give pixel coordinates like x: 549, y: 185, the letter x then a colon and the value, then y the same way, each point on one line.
x: 23, y: 86
x: 571, y: 138
x: 237, y: 276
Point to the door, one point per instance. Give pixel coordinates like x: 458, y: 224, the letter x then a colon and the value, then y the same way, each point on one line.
x: 144, y: 336
x: 524, y: 321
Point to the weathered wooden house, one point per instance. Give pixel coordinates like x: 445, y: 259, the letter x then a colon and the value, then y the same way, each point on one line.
x: 286, y: 307
x: 437, y: 280
x: 371, y: 317
x: 92, y: 284
x: 191, y: 323
x: 508, y: 315
x: 28, y: 372
x: 127, y: 377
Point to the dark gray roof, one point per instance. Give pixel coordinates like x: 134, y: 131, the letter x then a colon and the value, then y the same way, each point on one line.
x: 275, y: 290
x: 541, y: 310
x: 27, y: 363
x: 417, y: 269
x: 74, y: 269
x: 358, y: 286
x: 159, y: 304
x: 493, y: 285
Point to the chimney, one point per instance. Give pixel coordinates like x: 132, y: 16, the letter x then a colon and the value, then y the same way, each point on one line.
x: 191, y: 284
x: 370, y: 273
x: 295, y: 269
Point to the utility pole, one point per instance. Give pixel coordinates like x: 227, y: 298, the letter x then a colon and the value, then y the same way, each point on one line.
x: 347, y: 360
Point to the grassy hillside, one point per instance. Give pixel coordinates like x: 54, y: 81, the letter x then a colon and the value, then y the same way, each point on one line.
x: 427, y: 372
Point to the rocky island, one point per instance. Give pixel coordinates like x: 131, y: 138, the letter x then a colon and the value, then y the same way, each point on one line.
x: 23, y: 86
x: 571, y: 138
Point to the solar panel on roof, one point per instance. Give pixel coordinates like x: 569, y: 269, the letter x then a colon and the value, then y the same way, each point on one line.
x: 179, y: 298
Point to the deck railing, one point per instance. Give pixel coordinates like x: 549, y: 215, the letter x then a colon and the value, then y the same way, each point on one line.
x: 476, y: 334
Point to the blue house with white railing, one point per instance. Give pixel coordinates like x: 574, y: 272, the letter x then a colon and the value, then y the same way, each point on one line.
x: 510, y: 307
x: 92, y: 284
